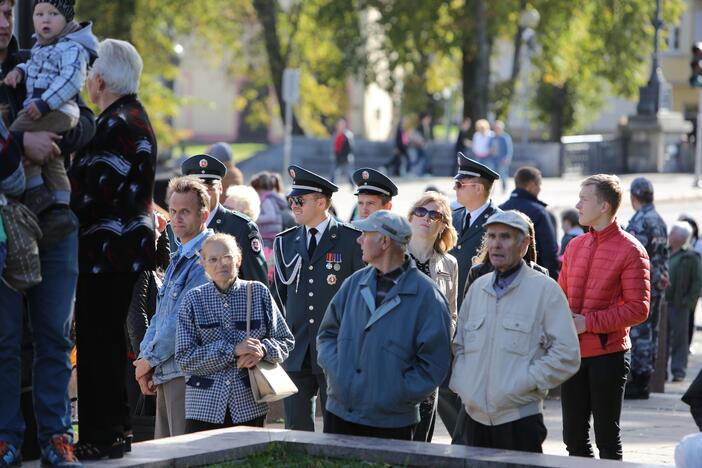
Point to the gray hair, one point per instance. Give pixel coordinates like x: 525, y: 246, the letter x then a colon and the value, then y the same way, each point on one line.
x: 684, y: 228
x: 120, y: 65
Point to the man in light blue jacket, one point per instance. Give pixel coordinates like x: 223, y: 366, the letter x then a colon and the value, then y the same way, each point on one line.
x: 156, y: 369
x: 384, y: 343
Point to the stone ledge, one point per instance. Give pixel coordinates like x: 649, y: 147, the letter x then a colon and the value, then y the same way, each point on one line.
x: 217, y: 446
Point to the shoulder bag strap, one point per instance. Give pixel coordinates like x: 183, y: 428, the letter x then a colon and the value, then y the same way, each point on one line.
x: 248, y: 308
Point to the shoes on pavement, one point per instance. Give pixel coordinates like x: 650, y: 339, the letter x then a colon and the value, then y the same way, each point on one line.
x: 9, y: 455
x: 637, y: 387
x: 90, y: 451
x: 678, y: 378
x: 59, y: 453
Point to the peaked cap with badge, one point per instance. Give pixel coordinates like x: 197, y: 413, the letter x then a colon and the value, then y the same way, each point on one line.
x: 471, y: 168
x: 305, y: 182
x: 204, y: 166
x: 371, y: 182
x: 241, y: 227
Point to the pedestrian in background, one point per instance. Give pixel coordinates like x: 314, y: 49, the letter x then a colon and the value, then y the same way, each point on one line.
x: 432, y: 237
x: 243, y: 199
x: 384, y: 342
x: 214, y: 347
x: 342, y: 163
x: 524, y: 198
x: 222, y: 152
x: 685, y: 283
x: 606, y: 278
x: 400, y: 162
x: 571, y: 229
x: 515, y: 341
x: 501, y: 150
x: 481, y: 144
x: 696, y: 245
x: 463, y: 142
x: 421, y: 137
x: 649, y: 228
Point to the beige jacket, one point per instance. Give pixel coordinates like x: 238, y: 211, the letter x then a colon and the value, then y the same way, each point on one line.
x: 510, y: 352
x: 444, y: 271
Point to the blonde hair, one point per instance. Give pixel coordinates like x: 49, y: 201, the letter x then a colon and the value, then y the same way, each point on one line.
x: 482, y: 125
x: 244, y: 199
x: 608, y: 188
x: 448, y: 236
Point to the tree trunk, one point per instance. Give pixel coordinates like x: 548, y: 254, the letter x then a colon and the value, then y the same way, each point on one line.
x: 267, y: 12
x: 481, y: 70
x: 558, y: 109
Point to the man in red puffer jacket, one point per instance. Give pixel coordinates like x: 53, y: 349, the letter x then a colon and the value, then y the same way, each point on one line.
x: 606, y: 278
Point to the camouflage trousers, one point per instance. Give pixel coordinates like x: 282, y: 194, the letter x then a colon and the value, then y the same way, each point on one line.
x: 644, y: 340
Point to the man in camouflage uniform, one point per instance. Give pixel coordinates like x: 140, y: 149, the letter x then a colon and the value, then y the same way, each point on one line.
x: 650, y: 229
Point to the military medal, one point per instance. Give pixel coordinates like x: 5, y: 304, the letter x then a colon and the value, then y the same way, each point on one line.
x: 337, y: 267
x: 331, y: 280
x: 329, y: 260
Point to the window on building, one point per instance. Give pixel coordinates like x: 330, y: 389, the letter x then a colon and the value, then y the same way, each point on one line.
x: 674, y: 38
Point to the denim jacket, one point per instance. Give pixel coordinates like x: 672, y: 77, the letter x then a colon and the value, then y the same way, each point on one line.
x: 183, y: 274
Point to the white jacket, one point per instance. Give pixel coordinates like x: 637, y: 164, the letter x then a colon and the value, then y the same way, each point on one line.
x: 510, y: 352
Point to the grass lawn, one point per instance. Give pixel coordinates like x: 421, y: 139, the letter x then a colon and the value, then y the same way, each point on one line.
x: 276, y: 455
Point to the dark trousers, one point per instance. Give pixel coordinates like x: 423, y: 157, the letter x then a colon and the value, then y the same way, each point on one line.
x: 449, y: 405
x: 300, y: 407
x: 644, y: 340
x: 525, y: 434
x: 335, y: 425
x: 693, y: 397
x: 427, y: 419
x: 102, y: 301
x: 194, y: 425
x: 597, y: 389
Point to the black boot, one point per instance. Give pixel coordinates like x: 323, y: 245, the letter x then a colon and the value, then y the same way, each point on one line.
x: 637, y: 387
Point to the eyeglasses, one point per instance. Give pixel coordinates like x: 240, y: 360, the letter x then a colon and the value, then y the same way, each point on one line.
x: 299, y: 201
x: 458, y: 184
x: 224, y: 259
x: 421, y: 212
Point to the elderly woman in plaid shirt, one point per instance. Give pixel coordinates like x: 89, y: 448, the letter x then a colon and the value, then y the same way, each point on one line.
x: 212, y: 347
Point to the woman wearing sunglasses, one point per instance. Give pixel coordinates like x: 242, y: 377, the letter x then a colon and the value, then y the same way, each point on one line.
x: 433, y: 235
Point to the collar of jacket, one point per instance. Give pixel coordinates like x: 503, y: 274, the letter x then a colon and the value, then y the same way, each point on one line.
x: 196, y: 243
x: 607, y: 233
x: 402, y: 287
x: 521, y: 193
x: 120, y: 101
x: 488, y: 286
x: 646, y: 208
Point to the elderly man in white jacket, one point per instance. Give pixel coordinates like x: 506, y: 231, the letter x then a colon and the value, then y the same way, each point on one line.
x: 515, y: 340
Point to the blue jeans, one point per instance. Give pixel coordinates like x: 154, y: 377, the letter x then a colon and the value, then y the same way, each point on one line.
x: 50, y: 306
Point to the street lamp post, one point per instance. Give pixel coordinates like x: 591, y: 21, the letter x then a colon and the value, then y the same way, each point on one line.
x: 656, y: 95
x: 528, y: 20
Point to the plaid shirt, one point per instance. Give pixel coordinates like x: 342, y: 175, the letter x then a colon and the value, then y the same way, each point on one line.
x: 210, y: 325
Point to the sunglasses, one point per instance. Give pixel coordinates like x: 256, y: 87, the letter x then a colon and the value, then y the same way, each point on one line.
x: 299, y: 201
x: 458, y: 184
x: 421, y: 212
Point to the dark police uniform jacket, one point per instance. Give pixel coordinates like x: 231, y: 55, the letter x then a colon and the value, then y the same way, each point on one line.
x: 311, y: 283
x: 245, y: 231
x: 468, y: 243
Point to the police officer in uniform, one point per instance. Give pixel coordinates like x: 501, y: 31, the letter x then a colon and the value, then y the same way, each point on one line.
x: 650, y: 229
x: 473, y: 184
x: 374, y: 191
x: 312, y: 260
x: 242, y: 228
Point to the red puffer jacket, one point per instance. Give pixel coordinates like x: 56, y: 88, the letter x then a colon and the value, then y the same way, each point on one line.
x: 606, y: 277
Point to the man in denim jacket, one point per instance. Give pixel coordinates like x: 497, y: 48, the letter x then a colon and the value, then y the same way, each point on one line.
x: 156, y: 369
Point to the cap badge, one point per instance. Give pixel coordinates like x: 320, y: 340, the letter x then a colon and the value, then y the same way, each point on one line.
x: 365, y: 175
x: 292, y: 173
x: 203, y: 163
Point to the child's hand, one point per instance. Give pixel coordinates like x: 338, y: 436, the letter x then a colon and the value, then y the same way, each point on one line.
x: 33, y: 111
x: 13, y: 78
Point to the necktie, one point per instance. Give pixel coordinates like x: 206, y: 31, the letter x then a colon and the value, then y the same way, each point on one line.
x: 466, y: 223
x: 313, y: 242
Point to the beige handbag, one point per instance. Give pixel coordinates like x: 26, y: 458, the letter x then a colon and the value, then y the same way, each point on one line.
x: 269, y: 382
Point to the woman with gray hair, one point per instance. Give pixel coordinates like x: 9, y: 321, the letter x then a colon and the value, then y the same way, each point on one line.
x: 112, y: 181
